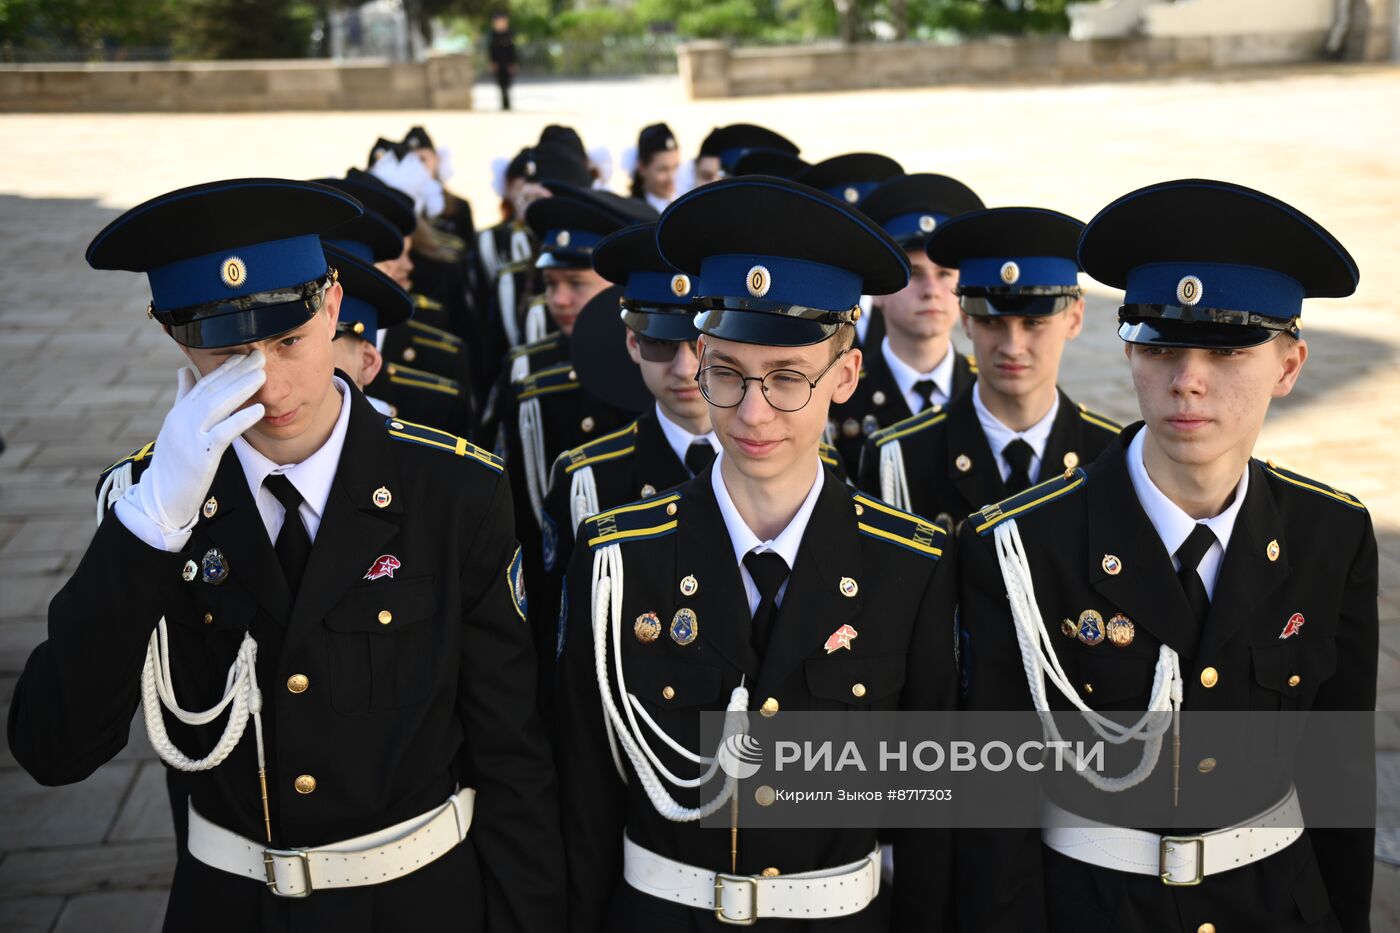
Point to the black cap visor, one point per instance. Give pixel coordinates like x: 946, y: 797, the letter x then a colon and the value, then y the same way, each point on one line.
x: 660, y: 323
x: 1026, y: 303
x: 764, y: 328
x: 1203, y: 328
x: 245, y: 320
x: 565, y: 259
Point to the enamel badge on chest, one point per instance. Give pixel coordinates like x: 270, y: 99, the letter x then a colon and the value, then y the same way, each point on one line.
x: 384, y: 566
x: 214, y: 566
x: 841, y: 638
x: 1293, y: 626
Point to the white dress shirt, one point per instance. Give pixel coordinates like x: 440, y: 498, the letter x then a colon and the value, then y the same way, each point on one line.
x: 680, y: 439
x: 657, y: 202
x: 999, y: 435
x: 1174, y: 526
x: 743, y: 539
x: 905, y: 376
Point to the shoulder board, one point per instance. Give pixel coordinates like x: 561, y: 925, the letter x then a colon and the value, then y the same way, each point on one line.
x: 402, y: 375
x: 877, y: 519
x: 550, y: 381
x: 1312, y: 485
x: 426, y: 303
x: 649, y: 518
x: 538, y: 346
x: 619, y: 443
x: 136, y: 456
x: 911, y: 425
x: 971, y: 362
x: 401, y: 430
x: 828, y: 455
x: 450, y: 240
x: 436, y: 333
x: 1099, y: 421
x: 1015, y: 506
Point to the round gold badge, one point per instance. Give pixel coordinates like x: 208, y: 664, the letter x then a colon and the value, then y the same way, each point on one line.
x: 1112, y: 565
x: 1120, y: 630
x: 759, y: 280
x: 233, y: 272
x: 849, y: 587
x: 647, y: 628
x: 927, y: 223
x: 680, y: 286
x: 381, y: 497
x: 1010, y: 273
x: 1071, y: 460
x: 563, y: 238
x: 851, y: 195
x: 689, y: 585
x: 1189, y: 290
x: 963, y: 463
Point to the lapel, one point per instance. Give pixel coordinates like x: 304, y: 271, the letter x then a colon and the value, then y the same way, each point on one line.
x: 982, y: 484
x: 1066, y: 437
x: 892, y: 406
x: 657, y: 463
x: 1247, y: 576
x: 813, y: 606
x: 963, y: 376
x: 1145, y: 587
x: 703, y: 549
x: 238, y: 531
x: 353, y: 529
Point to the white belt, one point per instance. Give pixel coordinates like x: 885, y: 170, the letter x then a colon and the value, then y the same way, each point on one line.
x: 370, y: 859
x: 743, y: 899
x: 1177, y: 860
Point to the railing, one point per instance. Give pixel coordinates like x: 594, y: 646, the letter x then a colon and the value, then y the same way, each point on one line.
x: 601, y: 58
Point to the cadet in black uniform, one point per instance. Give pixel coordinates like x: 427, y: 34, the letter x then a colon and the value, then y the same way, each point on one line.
x: 348, y: 581
x: 1238, y: 584
x: 711, y: 617
x: 912, y: 365
x: 722, y: 148
x: 1021, y: 301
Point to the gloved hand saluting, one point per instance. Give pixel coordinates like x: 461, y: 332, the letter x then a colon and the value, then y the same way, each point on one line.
x: 197, y: 431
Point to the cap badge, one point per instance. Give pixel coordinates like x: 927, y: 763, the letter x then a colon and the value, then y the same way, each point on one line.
x: 1189, y: 290
x: 647, y: 628
x: 233, y: 272
x: 927, y: 223
x: 530, y: 169
x: 670, y: 142
x: 851, y: 195
x: 680, y: 286
x: 563, y: 238
x: 759, y: 281
x: 1010, y: 273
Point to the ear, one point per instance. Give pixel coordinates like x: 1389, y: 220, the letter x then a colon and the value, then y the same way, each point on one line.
x: 1294, y: 357
x: 633, y: 349
x: 966, y: 323
x: 847, y: 373
x: 1075, y: 314
x: 332, y: 307
x: 371, y: 361
x: 700, y: 351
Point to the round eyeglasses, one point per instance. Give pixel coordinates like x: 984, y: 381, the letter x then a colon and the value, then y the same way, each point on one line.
x: 785, y: 389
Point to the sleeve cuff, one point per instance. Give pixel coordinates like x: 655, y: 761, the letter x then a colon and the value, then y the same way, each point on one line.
x: 148, y: 530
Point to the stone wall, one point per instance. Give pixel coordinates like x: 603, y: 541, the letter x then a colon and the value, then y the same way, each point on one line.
x: 715, y: 69
x: 438, y: 83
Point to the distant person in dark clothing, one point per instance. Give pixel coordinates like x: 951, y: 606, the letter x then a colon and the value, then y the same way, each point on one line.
x: 504, y: 63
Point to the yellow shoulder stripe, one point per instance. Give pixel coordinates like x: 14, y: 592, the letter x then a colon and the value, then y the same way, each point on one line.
x: 1303, y: 482
x: 911, y: 425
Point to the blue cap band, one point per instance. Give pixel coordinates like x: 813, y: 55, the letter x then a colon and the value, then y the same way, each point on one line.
x: 1222, y: 285
x: 361, y: 251
x: 578, y: 240
x: 356, y: 310
x: 1033, y: 271
x: 788, y: 281
x: 904, y: 226
x: 862, y: 188
x: 237, y: 272
x: 653, y: 288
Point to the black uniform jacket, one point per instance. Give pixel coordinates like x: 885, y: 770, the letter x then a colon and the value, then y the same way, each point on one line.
x: 418, y: 682
x: 950, y: 466
x: 902, y: 655
x: 877, y: 402
x: 424, y: 398
x: 1324, y: 568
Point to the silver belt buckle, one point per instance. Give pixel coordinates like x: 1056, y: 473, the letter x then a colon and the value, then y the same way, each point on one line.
x: 721, y: 880
x: 1170, y: 844
x: 269, y: 855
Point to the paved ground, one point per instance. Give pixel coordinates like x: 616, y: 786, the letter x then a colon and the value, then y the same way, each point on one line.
x: 87, y: 378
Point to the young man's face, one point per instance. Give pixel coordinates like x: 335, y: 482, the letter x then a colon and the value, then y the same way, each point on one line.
x: 761, y: 441
x: 299, y: 367
x: 400, y: 269
x: 926, y: 308
x: 1019, y: 355
x: 659, y: 174
x: 566, y: 291
x: 673, y: 383
x: 357, y: 358
x: 1203, y: 405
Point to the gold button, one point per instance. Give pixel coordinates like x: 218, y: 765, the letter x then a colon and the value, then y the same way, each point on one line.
x: 298, y: 683
x: 770, y: 872
x: 304, y: 783
x: 1206, y: 928
x: 769, y: 707
x: 1088, y: 688
x: 668, y: 692
x: 858, y: 690
x: 860, y: 509
x: 671, y: 509
x: 1294, y: 681
x: 385, y: 617
x: 1210, y: 677
x: 1206, y: 765
x: 409, y: 354
x: 587, y: 424
x: 208, y: 617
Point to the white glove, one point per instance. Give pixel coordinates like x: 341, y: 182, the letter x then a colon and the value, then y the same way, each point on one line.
x: 197, y: 431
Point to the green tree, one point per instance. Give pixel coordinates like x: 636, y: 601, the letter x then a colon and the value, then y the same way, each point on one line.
x: 243, y: 29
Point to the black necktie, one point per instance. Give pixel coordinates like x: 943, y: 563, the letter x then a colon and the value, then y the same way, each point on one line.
x: 293, y: 545
x: 768, y: 570
x: 924, y: 390
x: 698, y: 457
x: 1189, y: 555
x: 1018, y: 456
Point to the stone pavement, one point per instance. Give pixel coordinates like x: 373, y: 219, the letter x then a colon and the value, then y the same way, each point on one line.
x: 87, y: 378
